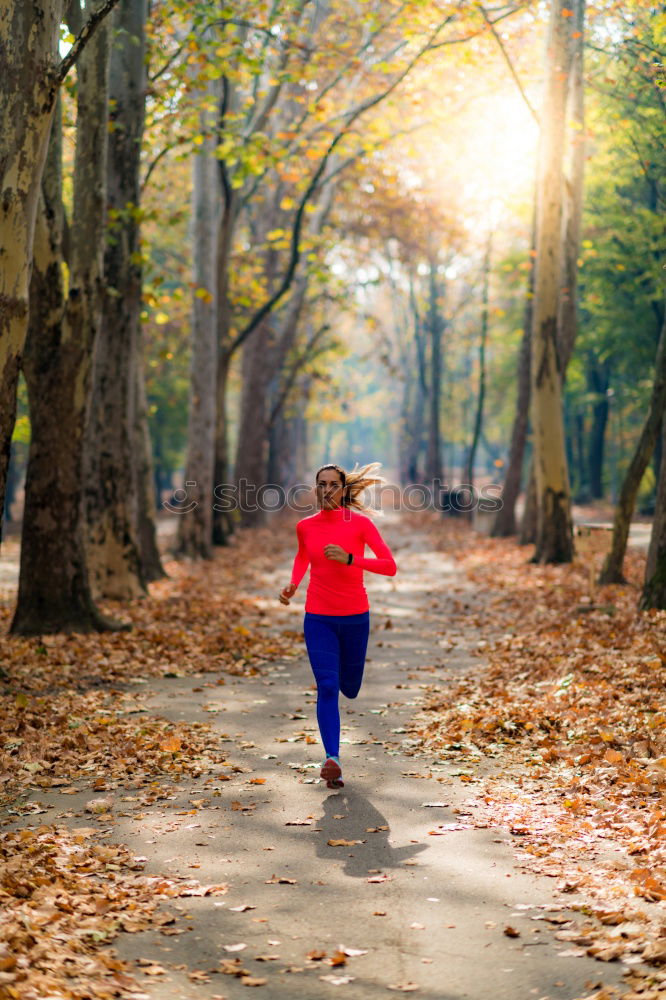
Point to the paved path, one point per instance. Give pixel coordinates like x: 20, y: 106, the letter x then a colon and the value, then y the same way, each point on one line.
x: 420, y: 910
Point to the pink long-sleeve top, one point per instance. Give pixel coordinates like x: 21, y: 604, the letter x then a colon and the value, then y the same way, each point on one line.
x: 335, y: 588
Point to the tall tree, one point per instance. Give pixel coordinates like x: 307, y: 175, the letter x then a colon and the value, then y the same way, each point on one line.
x: 195, y: 525
x: 112, y: 507
x: 434, y: 468
x: 54, y: 592
x: 554, y: 525
x: 611, y: 571
x: 32, y: 74
x: 483, y: 339
x: 505, y: 519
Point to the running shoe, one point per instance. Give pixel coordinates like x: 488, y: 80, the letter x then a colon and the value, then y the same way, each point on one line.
x: 331, y: 772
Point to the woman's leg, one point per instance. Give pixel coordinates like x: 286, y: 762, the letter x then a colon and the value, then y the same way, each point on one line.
x: 353, y: 646
x: 324, y: 651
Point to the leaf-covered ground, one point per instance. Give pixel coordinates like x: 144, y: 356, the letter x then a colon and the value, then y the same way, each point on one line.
x: 66, y: 716
x: 560, y: 733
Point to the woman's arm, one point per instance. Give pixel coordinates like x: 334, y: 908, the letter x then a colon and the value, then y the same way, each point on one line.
x: 301, y: 560
x: 301, y: 563
x: 384, y: 563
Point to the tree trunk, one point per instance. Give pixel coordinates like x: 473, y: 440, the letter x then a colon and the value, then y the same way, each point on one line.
x: 54, y: 593
x: 598, y: 383
x: 29, y: 55
x: 574, y: 184
x: 252, y: 448
x: 10, y: 492
x: 478, y: 421
x: 113, y: 554
x: 658, y: 455
x: 612, y: 568
x: 434, y: 473
x: 505, y: 519
x: 554, y: 525
x: 223, y: 516
x: 285, y: 464
x: 582, y: 491
x: 223, y: 512
x: 528, y: 524
x: 406, y: 442
x: 195, y: 525
x: 264, y: 358
x: 144, y: 479
x: 654, y: 587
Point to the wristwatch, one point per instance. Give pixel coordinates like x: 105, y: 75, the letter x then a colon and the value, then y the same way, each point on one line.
x: 350, y: 558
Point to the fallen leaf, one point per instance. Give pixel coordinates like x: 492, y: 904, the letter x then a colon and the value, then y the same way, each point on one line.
x: 233, y: 967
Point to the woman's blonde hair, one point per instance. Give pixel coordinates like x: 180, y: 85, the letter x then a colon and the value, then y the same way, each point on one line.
x: 355, y: 482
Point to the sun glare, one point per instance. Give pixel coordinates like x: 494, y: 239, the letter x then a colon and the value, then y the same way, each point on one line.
x: 502, y: 152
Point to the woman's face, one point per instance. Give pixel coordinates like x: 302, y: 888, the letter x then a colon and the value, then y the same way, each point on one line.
x: 329, y: 489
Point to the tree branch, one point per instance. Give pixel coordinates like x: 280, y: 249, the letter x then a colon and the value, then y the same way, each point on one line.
x: 475, y: 34
x: 295, y: 252
x: 156, y: 159
x: 82, y: 39
x: 509, y: 62
x: 299, y: 361
x: 169, y: 62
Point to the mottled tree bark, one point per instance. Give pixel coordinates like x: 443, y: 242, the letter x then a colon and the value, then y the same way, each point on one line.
x: 29, y: 60
x: 195, y: 525
x: 31, y: 76
x: 54, y: 593
x: 554, y: 541
x: 114, y: 558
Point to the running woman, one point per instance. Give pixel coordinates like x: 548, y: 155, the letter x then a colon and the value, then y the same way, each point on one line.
x: 337, y: 618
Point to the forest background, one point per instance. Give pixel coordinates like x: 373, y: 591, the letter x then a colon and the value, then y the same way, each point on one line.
x: 243, y: 239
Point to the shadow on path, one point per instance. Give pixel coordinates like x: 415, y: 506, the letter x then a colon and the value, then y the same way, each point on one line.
x: 350, y: 815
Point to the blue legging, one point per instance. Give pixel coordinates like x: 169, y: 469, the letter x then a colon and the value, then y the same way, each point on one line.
x: 336, y: 646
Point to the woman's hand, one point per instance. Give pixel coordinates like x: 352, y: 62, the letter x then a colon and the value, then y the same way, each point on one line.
x: 336, y: 553
x: 287, y: 593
